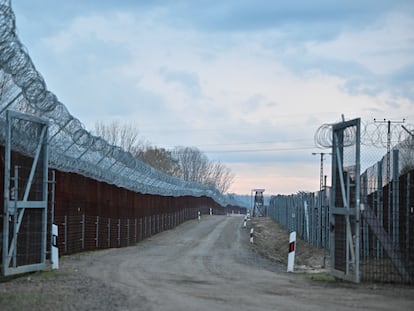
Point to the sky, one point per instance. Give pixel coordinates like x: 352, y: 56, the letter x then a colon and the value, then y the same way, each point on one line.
x: 246, y: 82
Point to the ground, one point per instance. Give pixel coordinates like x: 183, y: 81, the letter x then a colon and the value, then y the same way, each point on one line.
x: 271, y: 241
x: 206, y: 265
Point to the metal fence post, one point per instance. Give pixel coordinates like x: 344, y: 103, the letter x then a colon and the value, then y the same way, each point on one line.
x: 97, y: 232
x: 140, y: 229
x: 83, y: 231
x: 395, y: 197
x: 66, y: 234
x: 380, y: 207
x: 128, y: 232
x: 119, y: 232
x: 135, y: 230
x: 407, y: 216
x: 144, y: 234
x: 109, y: 232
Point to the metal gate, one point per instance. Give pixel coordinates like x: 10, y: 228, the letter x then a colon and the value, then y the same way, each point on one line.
x: 345, y: 200
x: 25, y: 194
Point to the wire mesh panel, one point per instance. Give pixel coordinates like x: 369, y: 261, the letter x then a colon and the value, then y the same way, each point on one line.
x: 344, y: 217
x: 25, y: 194
x: 387, y: 252
x: 72, y: 147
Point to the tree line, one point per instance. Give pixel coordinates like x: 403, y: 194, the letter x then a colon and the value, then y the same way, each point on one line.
x: 187, y: 163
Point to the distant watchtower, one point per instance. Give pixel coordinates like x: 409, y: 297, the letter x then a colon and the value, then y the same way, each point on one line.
x: 258, y: 207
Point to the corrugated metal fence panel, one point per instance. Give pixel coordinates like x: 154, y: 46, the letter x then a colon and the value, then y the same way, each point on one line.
x: 94, y: 215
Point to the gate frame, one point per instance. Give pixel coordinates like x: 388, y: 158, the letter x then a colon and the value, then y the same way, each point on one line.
x: 352, y: 243
x: 16, y: 207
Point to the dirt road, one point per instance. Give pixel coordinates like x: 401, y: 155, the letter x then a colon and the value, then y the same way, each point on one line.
x: 204, y: 265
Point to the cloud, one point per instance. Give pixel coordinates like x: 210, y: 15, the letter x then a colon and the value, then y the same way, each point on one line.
x: 323, y: 19
x: 228, y: 76
x: 189, y: 81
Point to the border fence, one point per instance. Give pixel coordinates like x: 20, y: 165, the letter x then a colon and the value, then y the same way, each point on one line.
x: 92, y: 214
x: 386, y: 231
x: 100, y: 195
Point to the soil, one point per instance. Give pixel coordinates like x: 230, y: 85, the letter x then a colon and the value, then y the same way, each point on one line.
x: 272, y: 242
x: 206, y: 265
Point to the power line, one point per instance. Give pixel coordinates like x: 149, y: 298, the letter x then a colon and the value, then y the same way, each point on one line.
x: 254, y: 143
x: 259, y: 150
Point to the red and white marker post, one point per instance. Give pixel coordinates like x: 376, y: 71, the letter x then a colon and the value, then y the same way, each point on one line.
x: 55, y: 249
x: 292, y: 248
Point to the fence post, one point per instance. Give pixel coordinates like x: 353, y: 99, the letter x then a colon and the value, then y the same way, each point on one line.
x: 97, y: 232
x: 380, y: 206
x: 66, y: 234
x: 145, y: 232
x: 152, y: 224
x: 407, y: 216
x: 365, y: 231
x: 128, y: 232
x: 83, y: 231
x: 140, y: 229
x: 395, y: 198
x: 109, y: 232
x: 119, y: 232
x: 135, y: 231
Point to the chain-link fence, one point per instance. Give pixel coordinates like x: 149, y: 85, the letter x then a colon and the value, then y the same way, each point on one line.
x: 92, y: 214
x: 386, y: 234
x: 72, y: 147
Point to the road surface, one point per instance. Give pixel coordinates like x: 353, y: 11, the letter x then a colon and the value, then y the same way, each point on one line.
x: 208, y: 265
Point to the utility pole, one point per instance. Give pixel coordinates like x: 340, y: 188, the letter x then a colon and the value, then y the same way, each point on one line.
x: 391, y: 215
x: 321, y: 168
x: 323, y: 217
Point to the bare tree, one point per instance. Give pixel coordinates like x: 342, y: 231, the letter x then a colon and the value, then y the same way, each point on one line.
x: 221, y: 176
x: 196, y: 167
x: 187, y: 163
x: 160, y: 159
x: 193, y: 163
x: 125, y: 136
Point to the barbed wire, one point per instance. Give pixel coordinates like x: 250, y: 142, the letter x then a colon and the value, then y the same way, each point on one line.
x: 72, y: 147
x: 373, y: 134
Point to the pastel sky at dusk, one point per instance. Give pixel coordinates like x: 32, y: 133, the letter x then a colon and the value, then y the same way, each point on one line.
x: 246, y: 82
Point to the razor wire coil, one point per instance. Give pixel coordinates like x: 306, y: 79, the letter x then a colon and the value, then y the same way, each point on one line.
x: 372, y: 134
x: 72, y: 147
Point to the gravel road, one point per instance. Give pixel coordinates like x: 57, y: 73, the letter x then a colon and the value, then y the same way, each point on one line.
x: 206, y: 265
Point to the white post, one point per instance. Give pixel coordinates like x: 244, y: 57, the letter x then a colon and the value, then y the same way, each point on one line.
x: 198, y: 215
x: 292, y: 248
x: 245, y: 222
x: 251, y: 235
x: 211, y: 211
x: 55, y: 249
